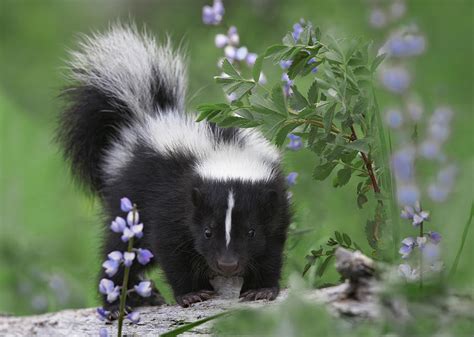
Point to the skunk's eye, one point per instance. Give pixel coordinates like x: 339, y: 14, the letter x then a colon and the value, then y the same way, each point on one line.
x: 207, y: 233
x: 251, y: 233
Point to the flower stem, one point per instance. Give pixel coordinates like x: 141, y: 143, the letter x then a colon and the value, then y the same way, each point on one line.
x: 126, y: 274
x: 421, y: 257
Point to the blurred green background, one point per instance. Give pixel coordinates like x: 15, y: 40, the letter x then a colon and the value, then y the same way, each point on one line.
x: 49, y: 234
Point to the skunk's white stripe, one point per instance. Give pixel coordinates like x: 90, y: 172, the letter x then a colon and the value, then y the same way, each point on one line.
x: 228, y: 217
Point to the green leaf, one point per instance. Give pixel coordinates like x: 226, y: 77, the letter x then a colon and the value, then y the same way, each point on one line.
x: 361, y: 200
x: 297, y: 101
x: 242, y: 89
x: 232, y: 121
x: 275, y: 49
x: 347, y: 239
x: 328, y: 118
x: 258, y: 101
x: 289, y: 40
x: 257, y: 68
x: 343, y: 176
x: 229, y: 69
x: 191, y: 325
x: 361, y: 145
x: 323, y: 266
x: 208, y: 109
x: 339, y: 237
x: 283, y: 133
x: 379, y: 59
x: 313, y: 93
x: 369, y: 230
x: 279, y: 99
x: 298, y: 64
x: 321, y: 172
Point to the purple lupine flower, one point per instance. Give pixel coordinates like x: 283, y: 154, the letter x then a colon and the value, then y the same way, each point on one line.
x: 118, y: 225
x: 291, y: 178
x: 297, y: 30
x: 311, y: 61
x: 262, y: 79
x: 137, y: 230
x: 103, y: 332
x: 416, y: 214
x: 285, y: 64
x: 295, y: 142
x: 378, y: 19
x: 395, y: 79
x: 420, y: 217
x: 437, y: 192
x: 405, y: 45
x: 241, y: 53
x: 126, y: 205
x: 231, y: 97
x: 394, y: 118
x: 115, y: 256
x: 221, y: 40
x: 431, y: 252
x: 408, y: 244
x: 133, y: 317
x: 421, y: 241
x: 208, y: 16
x: 403, y: 162
x: 128, y: 258
x: 143, y: 288
x: 397, y: 9
x: 434, y: 237
x: 133, y: 218
x: 111, y: 267
x: 407, y: 272
x: 233, y: 36
x: 212, y: 15
x: 107, y: 287
x: 429, y: 149
x: 415, y: 110
x: 288, y: 83
x: 127, y: 234
x: 250, y: 59
x: 440, y: 189
x: 230, y: 52
x: 144, y: 256
x: 407, y: 212
x: 408, y: 194
x: 103, y: 314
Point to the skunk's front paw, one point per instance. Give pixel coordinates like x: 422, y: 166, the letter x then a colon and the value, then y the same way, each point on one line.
x: 260, y: 294
x: 198, y: 296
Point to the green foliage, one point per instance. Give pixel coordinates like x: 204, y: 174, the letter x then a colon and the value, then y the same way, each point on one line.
x: 322, y: 256
x: 337, y: 117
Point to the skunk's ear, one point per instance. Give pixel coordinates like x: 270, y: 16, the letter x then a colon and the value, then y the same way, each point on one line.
x: 196, y: 197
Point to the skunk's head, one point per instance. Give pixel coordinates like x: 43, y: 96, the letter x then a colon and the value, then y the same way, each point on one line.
x: 232, y: 222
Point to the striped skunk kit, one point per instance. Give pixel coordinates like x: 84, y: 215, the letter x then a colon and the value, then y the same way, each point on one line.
x: 213, y: 201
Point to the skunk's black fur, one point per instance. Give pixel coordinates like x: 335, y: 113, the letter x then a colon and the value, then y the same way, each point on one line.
x: 213, y: 201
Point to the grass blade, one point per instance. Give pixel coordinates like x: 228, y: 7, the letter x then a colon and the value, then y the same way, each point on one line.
x: 463, y: 241
x: 189, y: 326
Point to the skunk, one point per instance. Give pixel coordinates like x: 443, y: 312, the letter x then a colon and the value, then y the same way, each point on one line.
x: 213, y: 201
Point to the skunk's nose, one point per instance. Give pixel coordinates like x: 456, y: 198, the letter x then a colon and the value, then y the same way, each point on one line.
x: 228, y: 266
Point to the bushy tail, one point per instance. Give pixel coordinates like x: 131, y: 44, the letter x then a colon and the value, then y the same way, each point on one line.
x: 118, y: 78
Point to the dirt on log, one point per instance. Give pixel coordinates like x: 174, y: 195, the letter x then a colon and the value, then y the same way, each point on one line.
x: 356, y: 298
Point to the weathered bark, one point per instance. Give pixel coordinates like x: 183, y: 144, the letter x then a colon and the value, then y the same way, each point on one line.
x: 353, y: 298
x: 357, y: 298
